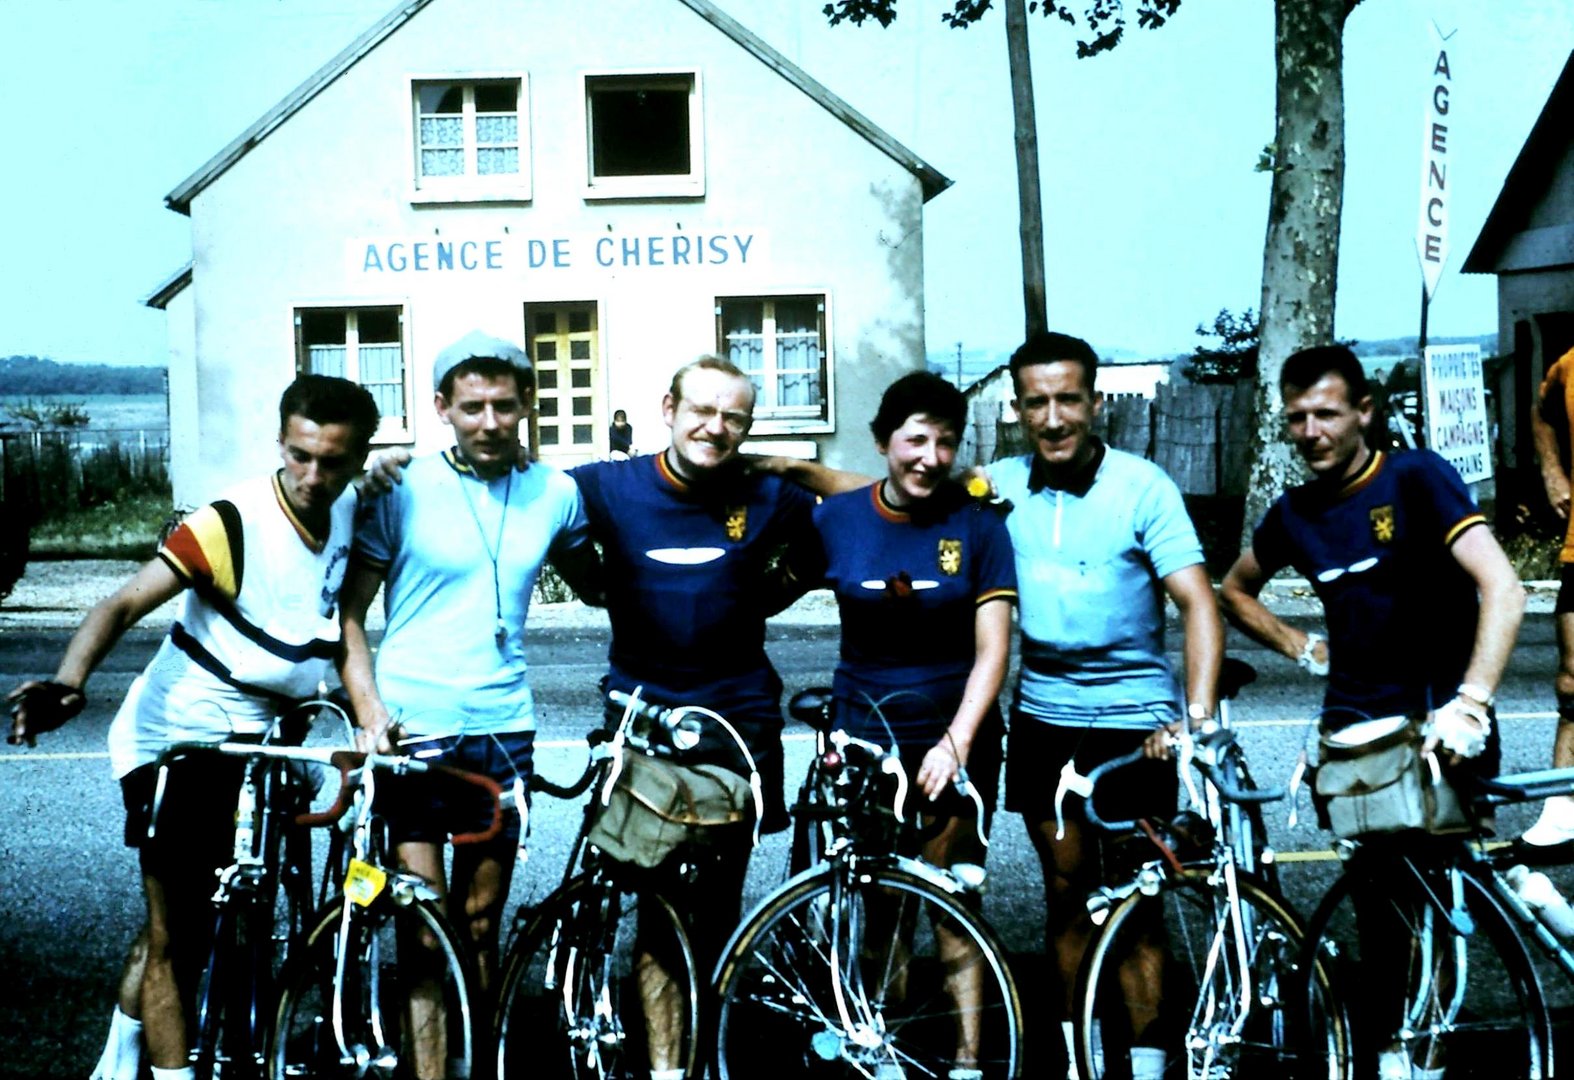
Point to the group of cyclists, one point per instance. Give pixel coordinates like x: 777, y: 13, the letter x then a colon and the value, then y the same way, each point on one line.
x: 692, y: 548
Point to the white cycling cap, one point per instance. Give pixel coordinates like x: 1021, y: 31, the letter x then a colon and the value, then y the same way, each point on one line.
x: 478, y: 346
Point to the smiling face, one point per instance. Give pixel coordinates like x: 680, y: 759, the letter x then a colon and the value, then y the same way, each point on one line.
x: 1056, y: 409
x: 320, y: 460
x: 1327, y: 428
x: 709, y: 421
x: 918, y: 457
x: 485, y: 412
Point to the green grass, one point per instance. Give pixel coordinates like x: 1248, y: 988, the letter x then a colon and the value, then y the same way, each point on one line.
x: 125, y: 529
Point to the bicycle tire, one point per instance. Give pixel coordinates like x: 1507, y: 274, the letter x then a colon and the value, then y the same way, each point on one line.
x: 1201, y: 1023
x: 777, y: 1011
x: 1503, y: 1028
x: 570, y: 1003
x: 381, y: 972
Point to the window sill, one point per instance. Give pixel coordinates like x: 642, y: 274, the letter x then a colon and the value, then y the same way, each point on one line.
x: 392, y: 436
x: 645, y: 187
x: 459, y: 194
x: 765, y: 425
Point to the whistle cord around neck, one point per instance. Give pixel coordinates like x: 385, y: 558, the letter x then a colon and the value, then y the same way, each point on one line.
x: 493, y: 550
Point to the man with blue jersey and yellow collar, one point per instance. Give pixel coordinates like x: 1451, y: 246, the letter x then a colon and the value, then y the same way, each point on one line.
x: 1422, y: 609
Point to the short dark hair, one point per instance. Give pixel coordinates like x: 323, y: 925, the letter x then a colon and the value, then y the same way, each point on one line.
x: 489, y: 367
x: 326, y: 399
x: 921, y: 393
x: 709, y: 362
x: 1302, y: 370
x: 1048, y: 347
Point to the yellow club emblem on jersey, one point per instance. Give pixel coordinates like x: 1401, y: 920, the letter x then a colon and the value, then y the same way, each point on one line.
x: 951, y: 557
x: 737, y: 522
x: 1382, y: 524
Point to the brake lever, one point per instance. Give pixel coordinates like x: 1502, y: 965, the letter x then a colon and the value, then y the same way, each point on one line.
x: 1074, y: 782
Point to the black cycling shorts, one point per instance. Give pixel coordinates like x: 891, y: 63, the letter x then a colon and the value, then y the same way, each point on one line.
x: 1035, y: 752
x: 1565, y: 601
x: 430, y: 808
x: 195, y: 830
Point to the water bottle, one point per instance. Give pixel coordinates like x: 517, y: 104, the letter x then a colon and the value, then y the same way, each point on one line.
x: 1543, y: 898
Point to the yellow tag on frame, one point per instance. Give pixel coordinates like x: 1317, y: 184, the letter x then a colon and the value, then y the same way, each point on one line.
x: 363, y: 882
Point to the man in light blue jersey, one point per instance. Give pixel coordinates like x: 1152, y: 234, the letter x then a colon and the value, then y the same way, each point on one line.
x: 459, y: 544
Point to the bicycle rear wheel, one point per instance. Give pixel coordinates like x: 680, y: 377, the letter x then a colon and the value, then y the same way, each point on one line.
x: 1205, y: 1018
x: 599, y: 983
x: 1400, y: 990
x: 401, y: 1002
x: 868, y: 974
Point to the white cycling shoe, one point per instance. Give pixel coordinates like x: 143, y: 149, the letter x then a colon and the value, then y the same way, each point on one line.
x: 1554, y: 826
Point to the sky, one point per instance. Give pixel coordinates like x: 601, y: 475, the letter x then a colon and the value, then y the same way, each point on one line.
x: 1154, y: 212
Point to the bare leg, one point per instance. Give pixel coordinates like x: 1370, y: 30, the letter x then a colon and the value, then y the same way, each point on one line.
x: 482, y: 879
x: 959, y: 955
x: 428, y: 1020
x: 163, y: 1017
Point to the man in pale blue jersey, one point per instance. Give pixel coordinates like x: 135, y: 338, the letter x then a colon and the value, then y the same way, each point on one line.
x: 1101, y: 539
x: 459, y: 544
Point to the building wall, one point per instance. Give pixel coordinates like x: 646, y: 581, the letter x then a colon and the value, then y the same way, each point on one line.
x: 180, y: 325
x: 1535, y: 326
x: 285, y: 226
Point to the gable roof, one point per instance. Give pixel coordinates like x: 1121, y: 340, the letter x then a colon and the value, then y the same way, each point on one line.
x: 931, y: 179
x: 170, y: 288
x: 1496, y: 248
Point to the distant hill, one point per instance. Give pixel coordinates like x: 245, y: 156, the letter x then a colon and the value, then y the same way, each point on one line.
x: 25, y: 376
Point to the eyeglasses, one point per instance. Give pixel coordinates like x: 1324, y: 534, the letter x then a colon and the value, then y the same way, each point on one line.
x: 735, y: 422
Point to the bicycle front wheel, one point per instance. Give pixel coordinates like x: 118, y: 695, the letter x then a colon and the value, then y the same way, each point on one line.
x: 386, y: 990
x: 1444, y: 981
x: 866, y: 974
x: 1217, y: 992
x: 600, y: 983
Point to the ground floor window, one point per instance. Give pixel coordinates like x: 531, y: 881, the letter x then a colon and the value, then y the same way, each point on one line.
x: 780, y: 343
x: 365, y: 345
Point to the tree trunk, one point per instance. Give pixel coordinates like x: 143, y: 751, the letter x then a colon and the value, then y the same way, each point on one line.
x: 1301, y: 252
x: 1028, y: 197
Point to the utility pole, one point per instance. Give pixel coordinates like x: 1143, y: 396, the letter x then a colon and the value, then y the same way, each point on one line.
x: 959, y: 385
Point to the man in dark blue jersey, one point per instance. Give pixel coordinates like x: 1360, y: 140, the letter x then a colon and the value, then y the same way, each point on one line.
x: 1422, y: 606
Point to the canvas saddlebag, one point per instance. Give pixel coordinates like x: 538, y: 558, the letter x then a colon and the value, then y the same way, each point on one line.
x: 656, y: 806
x: 1372, y: 778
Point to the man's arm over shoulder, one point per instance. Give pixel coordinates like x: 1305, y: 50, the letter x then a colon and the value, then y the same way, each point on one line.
x: 818, y: 478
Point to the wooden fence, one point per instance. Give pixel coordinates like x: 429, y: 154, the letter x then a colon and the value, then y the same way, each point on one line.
x: 46, y: 473
x: 1197, y: 434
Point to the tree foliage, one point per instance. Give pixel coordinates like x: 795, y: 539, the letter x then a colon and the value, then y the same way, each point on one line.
x: 1104, y: 20
x: 1229, y: 350
x: 32, y: 375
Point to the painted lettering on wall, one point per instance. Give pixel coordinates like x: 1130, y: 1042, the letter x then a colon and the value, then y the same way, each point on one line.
x: 523, y: 254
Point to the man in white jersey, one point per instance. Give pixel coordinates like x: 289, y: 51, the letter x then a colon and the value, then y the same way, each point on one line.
x: 261, y: 569
x: 460, y: 543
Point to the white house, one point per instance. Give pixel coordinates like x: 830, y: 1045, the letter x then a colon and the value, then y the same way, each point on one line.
x: 617, y: 185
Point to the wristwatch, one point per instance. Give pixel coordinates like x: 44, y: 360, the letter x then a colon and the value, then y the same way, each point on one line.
x: 1197, y: 711
x: 1475, y: 693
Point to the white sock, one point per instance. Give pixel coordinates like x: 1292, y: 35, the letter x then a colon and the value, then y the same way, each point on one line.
x: 1418, y: 1073
x: 185, y: 1072
x: 1147, y: 1063
x: 666, y: 1074
x: 1070, y: 1031
x: 122, y: 1056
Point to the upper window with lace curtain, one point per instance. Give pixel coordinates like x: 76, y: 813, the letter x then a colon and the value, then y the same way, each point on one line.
x: 472, y: 139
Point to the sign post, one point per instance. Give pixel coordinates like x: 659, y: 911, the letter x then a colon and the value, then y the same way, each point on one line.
x: 1456, y: 412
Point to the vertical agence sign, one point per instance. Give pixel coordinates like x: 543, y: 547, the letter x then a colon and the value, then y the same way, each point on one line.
x: 1456, y: 410
x: 1432, y: 221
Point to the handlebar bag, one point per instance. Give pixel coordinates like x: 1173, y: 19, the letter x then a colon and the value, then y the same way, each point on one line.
x: 1373, y: 779
x: 656, y: 806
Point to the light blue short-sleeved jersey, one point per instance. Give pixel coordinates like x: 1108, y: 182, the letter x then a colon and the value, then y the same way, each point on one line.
x: 1090, y: 563
x: 442, y: 662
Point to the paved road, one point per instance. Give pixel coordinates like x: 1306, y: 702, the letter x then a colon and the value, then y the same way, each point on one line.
x: 69, y: 902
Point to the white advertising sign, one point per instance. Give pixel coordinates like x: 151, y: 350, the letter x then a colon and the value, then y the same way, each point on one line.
x: 1456, y: 411
x: 1432, y: 221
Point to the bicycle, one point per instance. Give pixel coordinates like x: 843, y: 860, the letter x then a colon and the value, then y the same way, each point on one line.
x: 1464, y: 993
x: 583, y: 964
x: 380, y: 983
x: 1232, y: 995
x: 867, y: 963
x: 262, y: 897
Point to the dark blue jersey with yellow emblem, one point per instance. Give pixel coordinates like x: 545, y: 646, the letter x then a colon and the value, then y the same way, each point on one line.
x: 1401, y: 611
x: 684, y: 569
x: 908, y: 585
